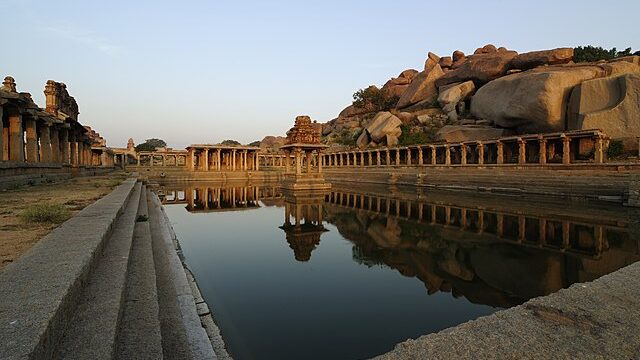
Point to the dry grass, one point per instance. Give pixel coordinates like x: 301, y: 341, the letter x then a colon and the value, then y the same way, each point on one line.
x: 46, y: 213
x: 29, y: 213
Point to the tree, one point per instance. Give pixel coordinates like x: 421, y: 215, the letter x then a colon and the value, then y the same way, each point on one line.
x: 151, y: 145
x: 255, y: 143
x: 592, y: 53
x: 374, y: 99
x: 231, y: 143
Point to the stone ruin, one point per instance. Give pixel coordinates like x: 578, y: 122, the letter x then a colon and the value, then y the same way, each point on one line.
x: 304, y: 131
x: 59, y: 101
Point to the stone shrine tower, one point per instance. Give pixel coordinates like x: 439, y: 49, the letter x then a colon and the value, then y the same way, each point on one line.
x: 303, y: 143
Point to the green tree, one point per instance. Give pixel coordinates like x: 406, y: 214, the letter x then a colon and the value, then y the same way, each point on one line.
x: 591, y: 53
x: 255, y: 143
x: 230, y: 143
x: 151, y: 145
x: 374, y: 99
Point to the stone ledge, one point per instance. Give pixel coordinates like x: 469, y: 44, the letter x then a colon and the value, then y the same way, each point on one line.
x: 39, y: 291
x: 598, y: 320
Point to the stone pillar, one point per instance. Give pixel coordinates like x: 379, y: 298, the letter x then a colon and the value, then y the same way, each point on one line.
x: 32, y: 140
x: 2, y: 151
x: 420, y: 156
x: 320, y: 163
x: 205, y: 159
x: 447, y: 154
x: 388, y: 157
x: 308, y: 155
x: 542, y: 143
x: 16, y: 140
x: 64, y: 143
x: 522, y: 151
x: 434, y: 155
x: 361, y: 158
x: 370, y: 155
x: 233, y: 160
x: 190, y: 159
x: 397, y: 157
x: 599, y: 150
x: 378, y: 160
x: 246, y: 160
x: 463, y: 154
x: 500, y: 155
x: 73, y: 149
x: 55, y: 145
x: 566, y: 150
x: 480, y: 147
x: 45, y: 144
x: 298, y: 161
x: 408, y: 156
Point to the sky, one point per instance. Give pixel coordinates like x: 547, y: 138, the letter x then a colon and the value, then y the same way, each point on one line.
x: 205, y: 71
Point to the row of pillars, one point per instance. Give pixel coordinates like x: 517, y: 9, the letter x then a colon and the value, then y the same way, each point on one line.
x: 477, y: 153
x: 32, y: 141
x: 163, y: 162
x: 222, y: 160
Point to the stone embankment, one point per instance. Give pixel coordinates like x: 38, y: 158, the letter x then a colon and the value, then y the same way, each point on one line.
x: 106, y: 284
x: 597, y: 320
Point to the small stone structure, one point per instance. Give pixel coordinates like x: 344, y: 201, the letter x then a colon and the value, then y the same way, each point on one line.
x: 303, y: 141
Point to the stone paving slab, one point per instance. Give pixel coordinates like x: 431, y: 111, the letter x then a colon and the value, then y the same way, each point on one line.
x: 597, y: 320
x: 38, y: 293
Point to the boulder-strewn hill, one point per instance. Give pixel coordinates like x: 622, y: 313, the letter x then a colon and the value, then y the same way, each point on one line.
x: 491, y: 93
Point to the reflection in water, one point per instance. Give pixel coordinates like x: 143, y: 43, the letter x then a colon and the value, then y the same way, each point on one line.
x: 303, y: 235
x: 499, y: 258
x: 495, y: 251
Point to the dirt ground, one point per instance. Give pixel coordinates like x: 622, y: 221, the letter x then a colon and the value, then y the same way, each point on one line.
x: 17, y: 236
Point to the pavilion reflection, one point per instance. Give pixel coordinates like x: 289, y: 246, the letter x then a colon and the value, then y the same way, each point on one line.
x: 498, y: 256
x: 218, y: 197
x: 306, y: 210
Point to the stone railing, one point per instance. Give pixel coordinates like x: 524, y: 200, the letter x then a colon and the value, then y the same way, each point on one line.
x: 584, y: 146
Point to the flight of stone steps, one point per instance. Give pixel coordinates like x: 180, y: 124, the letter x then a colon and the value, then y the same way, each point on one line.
x: 107, y: 284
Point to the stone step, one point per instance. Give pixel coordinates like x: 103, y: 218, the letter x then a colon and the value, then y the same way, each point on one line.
x: 139, y: 335
x: 40, y: 292
x: 93, y: 327
x: 183, y: 336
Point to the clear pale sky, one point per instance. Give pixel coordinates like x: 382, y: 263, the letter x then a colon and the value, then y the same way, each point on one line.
x: 205, y: 71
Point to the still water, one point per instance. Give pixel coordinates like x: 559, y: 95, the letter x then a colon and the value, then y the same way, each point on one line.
x: 350, y: 274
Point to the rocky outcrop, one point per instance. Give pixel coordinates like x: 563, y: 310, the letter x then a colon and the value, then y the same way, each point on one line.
x: 272, y: 143
x: 536, y: 100
x: 450, y: 96
x: 351, y: 110
x: 458, y: 59
x: 385, y: 123
x: 397, y: 86
x: 431, y: 62
x: 460, y: 133
x: 479, y: 68
x: 422, y: 88
x: 534, y: 59
x: 611, y: 104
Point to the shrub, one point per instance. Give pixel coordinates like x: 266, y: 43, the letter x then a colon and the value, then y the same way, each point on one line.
x: 150, y: 145
x: 347, y: 137
x: 592, y: 53
x: 374, y: 99
x: 616, y: 148
x: 46, y: 213
x: 409, y: 138
x: 230, y: 143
